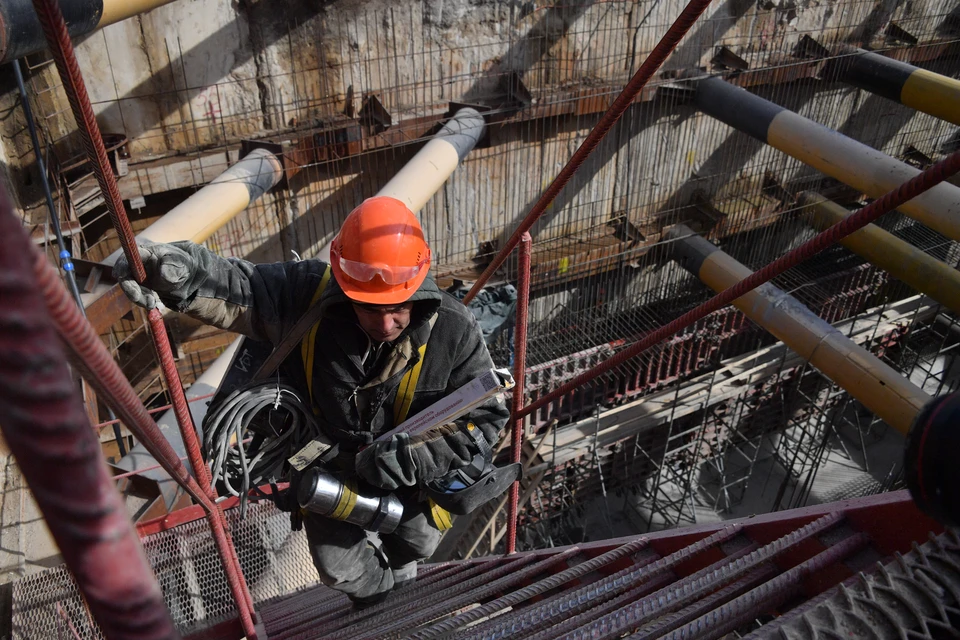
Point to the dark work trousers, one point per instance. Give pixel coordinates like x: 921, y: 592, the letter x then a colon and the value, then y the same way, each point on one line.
x: 349, y: 562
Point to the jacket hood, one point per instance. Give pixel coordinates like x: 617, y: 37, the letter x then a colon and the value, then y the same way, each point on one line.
x: 334, y: 303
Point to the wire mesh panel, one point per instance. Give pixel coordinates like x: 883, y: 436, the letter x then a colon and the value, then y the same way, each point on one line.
x: 275, y: 562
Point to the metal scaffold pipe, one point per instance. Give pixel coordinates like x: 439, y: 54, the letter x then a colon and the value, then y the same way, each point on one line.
x: 916, y: 88
x: 826, y: 150
x: 519, y: 374
x: 426, y: 172
x: 890, y: 396
x: 900, y: 259
x: 657, y: 57
x: 46, y: 427
x: 22, y: 34
x: 61, y: 49
x: 929, y: 178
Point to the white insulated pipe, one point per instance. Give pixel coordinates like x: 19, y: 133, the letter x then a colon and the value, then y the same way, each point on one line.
x: 202, y: 214
x: 426, y: 172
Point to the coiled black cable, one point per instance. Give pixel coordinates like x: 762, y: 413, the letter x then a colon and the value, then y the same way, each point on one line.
x: 241, y: 464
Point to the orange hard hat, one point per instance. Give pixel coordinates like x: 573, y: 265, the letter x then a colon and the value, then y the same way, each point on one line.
x: 380, y: 255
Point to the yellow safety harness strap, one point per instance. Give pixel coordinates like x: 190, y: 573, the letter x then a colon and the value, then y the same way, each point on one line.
x: 309, y: 343
x: 440, y: 516
x: 408, y: 386
x: 401, y: 404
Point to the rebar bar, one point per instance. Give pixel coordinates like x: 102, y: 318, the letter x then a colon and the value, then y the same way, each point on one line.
x: 522, y: 595
x: 49, y: 434
x: 742, y: 609
x: 519, y: 375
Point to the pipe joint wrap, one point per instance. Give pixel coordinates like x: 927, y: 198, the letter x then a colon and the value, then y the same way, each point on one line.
x: 259, y: 171
x: 463, y: 131
x: 690, y: 250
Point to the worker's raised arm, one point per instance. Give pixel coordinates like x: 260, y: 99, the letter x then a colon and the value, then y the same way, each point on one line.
x: 259, y: 301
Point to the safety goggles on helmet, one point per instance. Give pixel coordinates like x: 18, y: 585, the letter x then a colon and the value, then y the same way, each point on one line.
x: 363, y: 272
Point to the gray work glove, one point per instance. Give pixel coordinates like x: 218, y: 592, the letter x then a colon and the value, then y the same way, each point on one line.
x: 172, y: 275
x: 410, y: 461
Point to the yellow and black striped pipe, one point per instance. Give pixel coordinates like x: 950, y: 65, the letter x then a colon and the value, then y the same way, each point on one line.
x: 900, y: 259
x: 898, y: 81
x: 828, y: 151
x: 890, y: 396
x: 22, y: 35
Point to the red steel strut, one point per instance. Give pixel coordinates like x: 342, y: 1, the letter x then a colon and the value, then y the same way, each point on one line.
x: 48, y: 431
x: 61, y: 48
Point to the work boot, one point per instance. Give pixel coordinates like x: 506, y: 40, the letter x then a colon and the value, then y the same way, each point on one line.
x: 404, y: 575
x: 359, y: 604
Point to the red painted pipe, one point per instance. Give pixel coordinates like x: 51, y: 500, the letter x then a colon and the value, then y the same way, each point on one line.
x: 657, y: 57
x: 928, y: 179
x: 519, y: 375
x: 47, y: 430
x: 61, y: 49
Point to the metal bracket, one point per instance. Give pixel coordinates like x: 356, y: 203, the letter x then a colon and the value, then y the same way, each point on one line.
x: 677, y: 92
x: 809, y: 48
x: 729, y: 60
x: 373, y: 114
x: 898, y: 33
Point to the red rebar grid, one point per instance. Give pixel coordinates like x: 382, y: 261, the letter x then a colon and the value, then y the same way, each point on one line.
x: 929, y: 178
x: 657, y: 57
x: 47, y: 429
x: 519, y: 376
x: 61, y: 49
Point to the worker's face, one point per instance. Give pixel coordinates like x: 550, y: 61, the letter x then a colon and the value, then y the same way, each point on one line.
x: 383, y: 323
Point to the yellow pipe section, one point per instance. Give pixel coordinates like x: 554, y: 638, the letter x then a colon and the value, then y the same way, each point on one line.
x: 896, y: 80
x: 423, y: 176
x: 934, y: 94
x: 117, y: 10
x: 864, y: 168
x: 898, y: 258
x: 890, y: 396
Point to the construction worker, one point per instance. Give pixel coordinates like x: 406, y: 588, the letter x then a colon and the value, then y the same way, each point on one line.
x: 381, y: 316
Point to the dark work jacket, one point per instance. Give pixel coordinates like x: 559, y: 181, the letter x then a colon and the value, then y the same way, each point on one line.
x: 355, y: 401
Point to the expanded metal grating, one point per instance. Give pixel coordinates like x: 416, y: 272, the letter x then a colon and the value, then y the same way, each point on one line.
x: 275, y: 562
